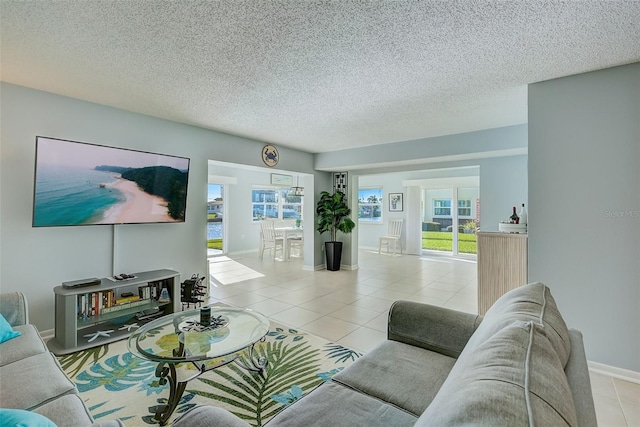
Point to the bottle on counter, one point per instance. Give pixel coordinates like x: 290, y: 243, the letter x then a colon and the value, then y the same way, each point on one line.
x: 523, y: 215
x: 514, y: 218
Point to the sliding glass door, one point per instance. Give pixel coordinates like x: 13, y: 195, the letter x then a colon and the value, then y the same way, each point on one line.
x: 215, y: 218
x: 450, y: 219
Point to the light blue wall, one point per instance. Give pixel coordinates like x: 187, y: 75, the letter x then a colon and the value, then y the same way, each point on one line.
x: 584, y: 215
x: 35, y: 260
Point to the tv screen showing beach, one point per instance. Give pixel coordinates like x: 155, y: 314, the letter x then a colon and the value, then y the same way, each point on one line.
x: 78, y: 183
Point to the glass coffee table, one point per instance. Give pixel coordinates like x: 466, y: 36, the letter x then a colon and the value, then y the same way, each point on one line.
x: 181, y: 338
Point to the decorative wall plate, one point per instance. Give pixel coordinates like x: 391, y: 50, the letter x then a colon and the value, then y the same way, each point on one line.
x: 270, y: 155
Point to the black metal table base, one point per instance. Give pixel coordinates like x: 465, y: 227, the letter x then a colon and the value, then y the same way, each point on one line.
x: 166, y: 372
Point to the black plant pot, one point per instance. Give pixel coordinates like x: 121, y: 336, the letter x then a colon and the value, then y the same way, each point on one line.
x: 333, y: 252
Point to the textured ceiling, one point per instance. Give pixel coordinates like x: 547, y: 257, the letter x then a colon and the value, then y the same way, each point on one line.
x: 314, y: 75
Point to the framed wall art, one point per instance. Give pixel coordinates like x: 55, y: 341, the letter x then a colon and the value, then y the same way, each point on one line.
x: 279, y: 179
x: 396, y: 202
x: 340, y: 182
x: 270, y: 155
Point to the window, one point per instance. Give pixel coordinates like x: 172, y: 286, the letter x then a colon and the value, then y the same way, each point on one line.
x: 464, y: 208
x: 370, y: 204
x: 275, y: 204
x: 291, y: 205
x: 441, y: 207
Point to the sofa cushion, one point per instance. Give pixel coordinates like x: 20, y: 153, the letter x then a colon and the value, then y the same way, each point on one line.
x: 530, y: 302
x: 38, y: 379
x: 22, y: 418
x: 67, y: 410
x: 406, y: 376
x: 6, y: 331
x: 209, y: 416
x: 13, y: 306
x: 29, y: 343
x: 333, y: 404
x: 514, y: 378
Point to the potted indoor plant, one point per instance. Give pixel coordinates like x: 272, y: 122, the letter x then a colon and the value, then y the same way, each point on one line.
x: 333, y: 216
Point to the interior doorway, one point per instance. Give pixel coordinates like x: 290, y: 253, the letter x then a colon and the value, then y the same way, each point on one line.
x: 216, y: 242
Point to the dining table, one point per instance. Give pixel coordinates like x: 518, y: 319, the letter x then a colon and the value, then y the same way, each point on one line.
x: 287, y: 233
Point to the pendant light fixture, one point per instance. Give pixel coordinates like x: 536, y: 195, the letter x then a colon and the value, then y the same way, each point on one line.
x: 297, y: 190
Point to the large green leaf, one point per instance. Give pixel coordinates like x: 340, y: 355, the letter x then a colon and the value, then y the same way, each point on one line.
x: 82, y: 358
x: 251, y: 395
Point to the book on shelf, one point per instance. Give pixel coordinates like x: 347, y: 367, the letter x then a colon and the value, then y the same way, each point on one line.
x: 95, y: 303
x: 122, y: 300
x: 125, y: 305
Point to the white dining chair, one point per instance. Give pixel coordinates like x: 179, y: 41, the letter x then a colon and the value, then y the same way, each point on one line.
x: 393, y: 236
x: 269, y: 239
x: 296, y: 241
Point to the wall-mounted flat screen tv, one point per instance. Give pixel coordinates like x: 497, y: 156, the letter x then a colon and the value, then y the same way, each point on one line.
x: 78, y: 183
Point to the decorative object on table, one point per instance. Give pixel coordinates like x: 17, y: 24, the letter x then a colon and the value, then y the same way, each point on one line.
x: 523, y: 215
x: 280, y: 179
x: 514, y: 218
x: 270, y: 155
x: 396, y: 202
x: 340, y: 182
x: 205, y: 316
x: 217, y: 322
x: 333, y: 216
x: 513, y: 224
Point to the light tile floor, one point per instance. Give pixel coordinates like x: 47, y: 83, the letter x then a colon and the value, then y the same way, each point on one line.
x: 351, y: 307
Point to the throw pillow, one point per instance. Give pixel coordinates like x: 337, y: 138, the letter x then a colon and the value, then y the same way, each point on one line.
x: 513, y: 379
x: 532, y: 302
x: 6, y: 331
x: 22, y: 418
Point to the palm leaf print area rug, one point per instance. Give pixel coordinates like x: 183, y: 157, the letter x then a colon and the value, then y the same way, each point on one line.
x: 116, y: 384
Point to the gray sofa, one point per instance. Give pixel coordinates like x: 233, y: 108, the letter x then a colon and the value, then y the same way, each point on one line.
x: 31, y: 377
x: 519, y: 365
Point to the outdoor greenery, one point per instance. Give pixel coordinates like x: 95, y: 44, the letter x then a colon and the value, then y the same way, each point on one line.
x: 443, y: 241
x: 369, y: 207
x: 430, y: 226
x: 470, y: 225
x: 214, y: 244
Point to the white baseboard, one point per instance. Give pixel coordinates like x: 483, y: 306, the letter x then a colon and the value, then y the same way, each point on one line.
x: 247, y: 251
x: 48, y: 334
x: 342, y: 267
x: 612, y: 371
